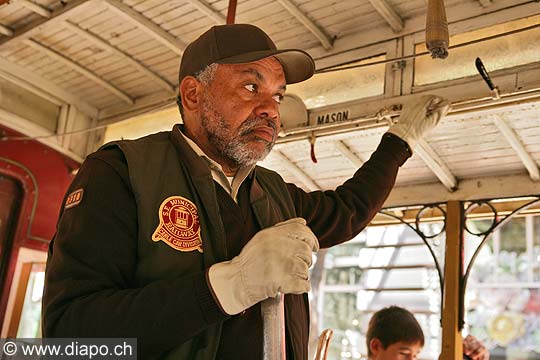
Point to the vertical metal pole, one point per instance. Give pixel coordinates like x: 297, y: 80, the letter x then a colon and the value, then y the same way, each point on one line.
x: 452, y: 342
x: 273, y: 313
x: 231, y: 12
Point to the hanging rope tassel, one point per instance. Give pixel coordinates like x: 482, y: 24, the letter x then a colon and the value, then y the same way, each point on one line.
x: 437, y: 39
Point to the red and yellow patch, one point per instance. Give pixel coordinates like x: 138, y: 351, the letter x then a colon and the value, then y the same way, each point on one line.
x: 179, y: 225
x: 74, y: 198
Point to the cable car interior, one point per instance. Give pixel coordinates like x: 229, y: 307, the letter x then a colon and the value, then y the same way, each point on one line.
x: 75, y: 74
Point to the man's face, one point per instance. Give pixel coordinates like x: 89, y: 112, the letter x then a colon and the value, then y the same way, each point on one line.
x: 395, y: 351
x: 240, y: 110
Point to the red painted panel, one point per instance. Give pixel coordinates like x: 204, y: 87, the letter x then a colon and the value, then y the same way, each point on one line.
x: 45, y: 175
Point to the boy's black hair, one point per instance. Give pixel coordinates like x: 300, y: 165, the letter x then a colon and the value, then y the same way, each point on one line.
x: 394, y: 324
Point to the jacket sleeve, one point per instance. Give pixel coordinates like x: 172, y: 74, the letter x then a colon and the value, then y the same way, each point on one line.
x: 90, y: 285
x: 338, y: 216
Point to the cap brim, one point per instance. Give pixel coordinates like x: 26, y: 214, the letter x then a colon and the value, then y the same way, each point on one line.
x: 297, y: 64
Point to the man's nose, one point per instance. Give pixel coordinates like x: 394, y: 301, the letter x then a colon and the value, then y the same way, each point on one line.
x: 268, y: 108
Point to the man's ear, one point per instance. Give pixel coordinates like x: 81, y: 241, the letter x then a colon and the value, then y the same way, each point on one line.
x: 190, y: 90
x: 375, y: 346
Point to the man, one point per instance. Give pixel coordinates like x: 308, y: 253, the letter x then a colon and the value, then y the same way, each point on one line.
x: 177, y: 237
x: 395, y: 334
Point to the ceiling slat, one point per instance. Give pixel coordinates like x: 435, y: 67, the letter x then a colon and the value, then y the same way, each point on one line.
x: 485, y: 3
x: 147, y: 26
x: 38, y: 9
x: 389, y: 14
x: 209, y: 11
x: 346, y: 151
x: 437, y: 165
x: 123, y: 56
x: 82, y: 70
x: 514, y: 141
x: 296, y: 171
x: 308, y: 23
x: 36, y: 26
x: 5, y: 30
x: 43, y: 87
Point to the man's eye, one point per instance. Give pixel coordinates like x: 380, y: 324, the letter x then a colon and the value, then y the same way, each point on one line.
x: 277, y: 98
x: 251, y: 87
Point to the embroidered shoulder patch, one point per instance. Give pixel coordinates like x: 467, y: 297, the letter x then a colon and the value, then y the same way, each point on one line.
x: 74, y: 198
x: 179, y: 225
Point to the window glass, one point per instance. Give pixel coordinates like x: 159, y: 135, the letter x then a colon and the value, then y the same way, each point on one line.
x: 513, y: 262
x: 499, y: 53
x: 382, y: 266
x: 389, y: 265
x: 536, y: 248
x: 502, y: 298
x: 30, y: 323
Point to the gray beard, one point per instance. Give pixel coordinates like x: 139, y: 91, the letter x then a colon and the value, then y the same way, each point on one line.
x: 232, y: 144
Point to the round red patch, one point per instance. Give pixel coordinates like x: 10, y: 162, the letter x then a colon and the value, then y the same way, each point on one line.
x: 179, y: 224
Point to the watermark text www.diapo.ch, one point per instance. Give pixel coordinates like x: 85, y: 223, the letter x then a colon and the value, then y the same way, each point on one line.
x: 69, y: 348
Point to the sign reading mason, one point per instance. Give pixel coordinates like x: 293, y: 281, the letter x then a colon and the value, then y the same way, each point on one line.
x: 333, y: 117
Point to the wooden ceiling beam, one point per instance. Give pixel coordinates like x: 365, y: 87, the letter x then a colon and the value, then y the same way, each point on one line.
x: 485, y: 3
x: 516, y: 144
x: 462, y: 16
x: 324, y: 39
x: 347, y: 152
x: 44, y: 88
x: 476, y: 188
x: 296, y: 171
x: 147, y: 25
x: 436, y: 165
x: 209, y: 11
x: 4, y: 30
x: 80, y: 69
x: 32, y: 6
x: 102, y: 43
x: 36, y: 26
x: 31, y: 129
x: 389, y: 14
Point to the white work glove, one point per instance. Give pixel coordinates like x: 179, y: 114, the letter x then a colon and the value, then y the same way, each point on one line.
x: 419, y: 117
x: 275, y: 260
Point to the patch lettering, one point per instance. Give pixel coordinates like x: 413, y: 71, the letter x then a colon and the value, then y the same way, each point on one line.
x: 179, y: 225
x: 74, y: 198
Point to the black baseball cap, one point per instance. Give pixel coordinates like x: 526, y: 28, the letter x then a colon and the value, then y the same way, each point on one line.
x: 242, y: 43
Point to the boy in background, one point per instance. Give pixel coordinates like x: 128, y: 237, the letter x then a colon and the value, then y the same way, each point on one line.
x: 395, y: 334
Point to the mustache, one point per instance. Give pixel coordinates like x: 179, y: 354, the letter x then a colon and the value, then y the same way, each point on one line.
x: 249, y: 124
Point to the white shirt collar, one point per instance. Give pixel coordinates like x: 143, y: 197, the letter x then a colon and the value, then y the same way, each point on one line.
x: 217, y: 171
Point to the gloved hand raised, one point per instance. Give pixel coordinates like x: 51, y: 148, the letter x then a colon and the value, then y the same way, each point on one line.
x: 419, y: 117
x: 275, y: 260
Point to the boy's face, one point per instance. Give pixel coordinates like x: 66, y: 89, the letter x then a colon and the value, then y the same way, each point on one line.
x: 395, y: 351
